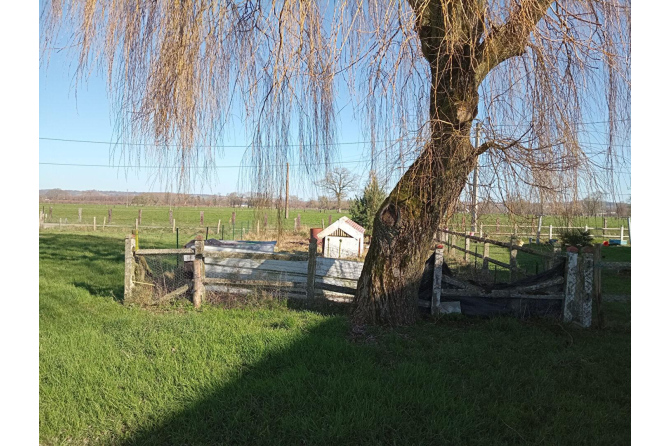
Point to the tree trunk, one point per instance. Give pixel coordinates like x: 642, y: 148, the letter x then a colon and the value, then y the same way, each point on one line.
x: 405, y: 225
x: 403, y: 232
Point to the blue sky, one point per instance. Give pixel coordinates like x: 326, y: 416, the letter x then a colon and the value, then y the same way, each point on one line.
x: 84, y: 114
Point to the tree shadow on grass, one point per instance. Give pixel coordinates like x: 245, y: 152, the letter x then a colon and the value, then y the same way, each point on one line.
x: 94, y: 262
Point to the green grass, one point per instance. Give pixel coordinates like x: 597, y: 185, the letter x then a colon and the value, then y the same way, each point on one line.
x: 184, y: 216
x: 111, y: 374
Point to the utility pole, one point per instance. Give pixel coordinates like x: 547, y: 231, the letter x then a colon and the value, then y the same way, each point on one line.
x: 475, y: 185
x: 286, y: 204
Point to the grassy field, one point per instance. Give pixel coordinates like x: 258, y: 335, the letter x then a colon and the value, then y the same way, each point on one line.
x: 274, y: 374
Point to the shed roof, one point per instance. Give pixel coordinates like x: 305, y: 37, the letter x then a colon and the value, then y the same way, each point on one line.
x: 345, y: 224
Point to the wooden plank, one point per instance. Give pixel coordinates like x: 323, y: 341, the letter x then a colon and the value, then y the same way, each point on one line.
x: 336, y: 288
x: 240, y: 254
x: 541, y: 285
x: 501, y: 294
x: 612, y: 265
x: 248, y: 282
x: 179, y: 291
x: 149, y: 252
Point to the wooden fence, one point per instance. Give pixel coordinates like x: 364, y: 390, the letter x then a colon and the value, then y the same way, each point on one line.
x: 539, y: 233
x: 452, y: 238
x: 296, y: 275
x: 566, y: 290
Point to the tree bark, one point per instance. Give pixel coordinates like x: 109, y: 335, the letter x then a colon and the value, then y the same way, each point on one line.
x: 403, y: 231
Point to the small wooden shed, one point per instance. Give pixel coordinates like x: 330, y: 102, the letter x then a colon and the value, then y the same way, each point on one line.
x: 344, y: 238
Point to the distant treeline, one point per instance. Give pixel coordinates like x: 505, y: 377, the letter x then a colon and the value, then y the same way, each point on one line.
x: 593, y: 205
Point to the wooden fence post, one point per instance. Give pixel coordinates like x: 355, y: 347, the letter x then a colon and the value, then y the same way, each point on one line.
x: 60, y: 223
x: 104, y: 222
x: 295, y: 224
x: 137, y: 225
x: 129, y: 268
x: 621, y: 235
x: 551, y: 232
x: 299, y: 222
x: 41, y: 219
x: 51, y: 212
x: 497, y: 225
x: 570, y: 285
x: 466, y: 254
x: 512, y: 261
x: 94, y: 224
x: 258, y: 227
x: 198, y: 271
x: 202, y: 218
x: 218, y: 227
x: 597, y: 285
x: 330, y: 220
x: 109, y: 216
x: 481, y: 229
x: 323, y: 224
x: 437, y: 281
x: 311, y: 268
x: 139, y: 217
x: 174, y: 225
x: 79, y: 213
x: 605, y: 226
x: 170, y: 216
x: 485, y: 258
x: 539, y: 231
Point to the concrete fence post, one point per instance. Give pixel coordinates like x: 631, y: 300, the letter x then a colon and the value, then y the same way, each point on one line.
x: 570, y: 285
x: 585, y: 289
x: 485, y: 258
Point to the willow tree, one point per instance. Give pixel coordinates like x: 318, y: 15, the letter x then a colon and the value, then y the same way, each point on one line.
x: 420, y: 72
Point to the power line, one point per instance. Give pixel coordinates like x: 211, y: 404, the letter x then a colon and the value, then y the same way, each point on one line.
x: 179, y: 167
x: 212, y: 146
x: 44, y: 138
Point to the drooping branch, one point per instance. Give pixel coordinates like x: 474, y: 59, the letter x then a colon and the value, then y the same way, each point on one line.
x: 510, y: 39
